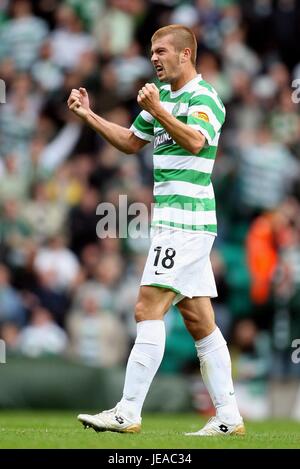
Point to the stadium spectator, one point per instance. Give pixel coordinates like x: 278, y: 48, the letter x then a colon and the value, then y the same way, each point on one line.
x: 45, y: 72
x: 11, y: 306
x: 9, y: 332
x: 42, y: 336
x: 15, y: 233
x: 267, y: 172
x: 82, y: 220
x: 57, y: 258
x: 14, y: 181
x: 45, y: 217
x: 97, y: 337
x: 105, y: 282
x: 22, y: 35
x: 17, y: 123
x: 69, y: 40
x: 46, y: 293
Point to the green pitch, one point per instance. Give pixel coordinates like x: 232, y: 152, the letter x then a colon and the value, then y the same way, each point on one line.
x: 30, y: 429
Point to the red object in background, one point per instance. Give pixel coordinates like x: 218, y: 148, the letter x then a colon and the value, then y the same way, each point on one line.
x: 262, y: 256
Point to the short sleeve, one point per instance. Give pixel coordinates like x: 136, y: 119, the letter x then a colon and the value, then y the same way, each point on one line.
x: 143, y: 126
x: 207, y: 114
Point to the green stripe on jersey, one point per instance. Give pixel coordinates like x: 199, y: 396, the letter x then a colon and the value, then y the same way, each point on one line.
x: 208, y: 152
x: 182, y: 226
x: 184, y: 202
x: 213, y: 91
x: 143, y: 126
x: 184, y: 175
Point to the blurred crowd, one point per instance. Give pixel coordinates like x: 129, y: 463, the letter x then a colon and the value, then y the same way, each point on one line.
x: 64, y: 291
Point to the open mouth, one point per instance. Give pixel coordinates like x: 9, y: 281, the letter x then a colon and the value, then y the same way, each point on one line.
x: 159, y: 68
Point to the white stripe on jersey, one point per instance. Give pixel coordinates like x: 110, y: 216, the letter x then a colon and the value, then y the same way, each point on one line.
x: 182, y: 111
x: 183, y: 188
x: 147, y: 116
x: 187, y: 217
x: 196, y: 163
x: 204, y: 132
x: 141, y: 134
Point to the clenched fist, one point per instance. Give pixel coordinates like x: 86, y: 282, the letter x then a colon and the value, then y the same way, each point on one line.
x: 148, y: 98
x: 78, y: 102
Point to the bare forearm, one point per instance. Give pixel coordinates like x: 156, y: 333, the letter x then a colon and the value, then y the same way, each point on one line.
x: 188, y: 138
x: 118, y: 136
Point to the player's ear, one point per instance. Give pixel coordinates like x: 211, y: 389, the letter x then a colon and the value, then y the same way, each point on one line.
x: 185, y: 55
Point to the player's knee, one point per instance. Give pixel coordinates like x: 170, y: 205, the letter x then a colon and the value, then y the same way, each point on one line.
x: 140, y: 313
x: 143, y: 312
x: 199, y: 326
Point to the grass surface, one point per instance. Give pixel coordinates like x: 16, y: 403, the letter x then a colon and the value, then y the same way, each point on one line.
x: 30, y: 429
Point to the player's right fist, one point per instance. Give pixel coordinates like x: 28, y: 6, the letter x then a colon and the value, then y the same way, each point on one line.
x: 78, y: 102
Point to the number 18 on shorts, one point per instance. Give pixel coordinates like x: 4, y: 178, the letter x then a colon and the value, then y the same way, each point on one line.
x: 180, y: 261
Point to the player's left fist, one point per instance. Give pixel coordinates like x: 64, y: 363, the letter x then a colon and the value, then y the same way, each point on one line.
x: 148, y: 97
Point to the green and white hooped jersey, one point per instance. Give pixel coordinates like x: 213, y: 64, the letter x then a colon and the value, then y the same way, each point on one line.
x: 183, y: 192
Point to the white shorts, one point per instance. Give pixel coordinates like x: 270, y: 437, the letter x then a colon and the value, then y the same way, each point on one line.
x: 179, y: 260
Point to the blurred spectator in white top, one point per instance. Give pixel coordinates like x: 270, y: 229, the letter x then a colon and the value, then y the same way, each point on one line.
x: 59, y: 259
x: 45, y: 72
x: 22, y: 36
x: 237, y: 55
x: 105, y: 283
x: 17, y: 123
x: 97, y: 337
x: 266, y: 172
x: 69, y: 40
x: 42, y: 336
x: 187, y: 15
x: 129, y: 67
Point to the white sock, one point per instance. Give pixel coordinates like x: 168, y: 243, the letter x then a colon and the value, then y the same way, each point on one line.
x: 143, y: 363
x: 215, y: 367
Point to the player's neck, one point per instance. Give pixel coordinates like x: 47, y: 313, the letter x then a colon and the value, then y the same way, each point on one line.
x: 184, y: 78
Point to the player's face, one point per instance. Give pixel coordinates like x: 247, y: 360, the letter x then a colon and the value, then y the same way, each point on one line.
x: 166, y: 59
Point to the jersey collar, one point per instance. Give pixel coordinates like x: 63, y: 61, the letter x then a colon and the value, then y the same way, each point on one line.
x: 187, y: 87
